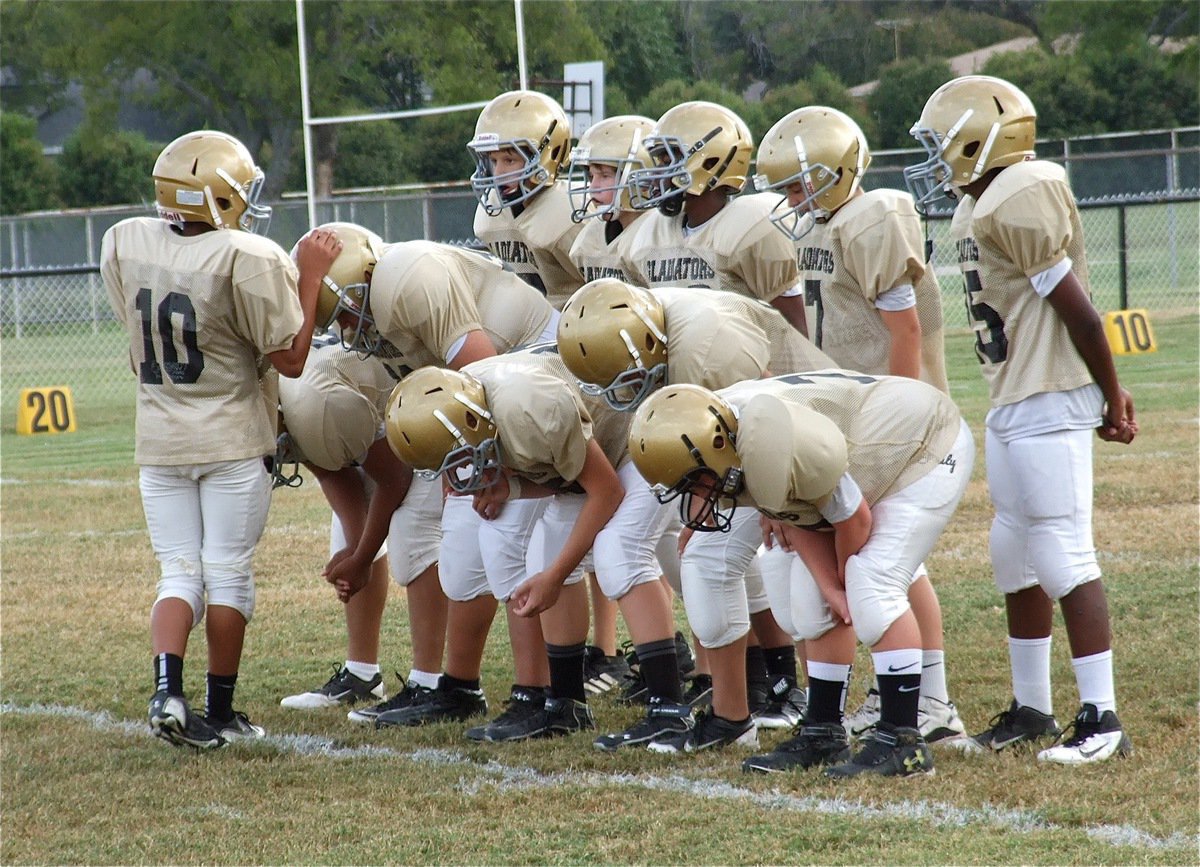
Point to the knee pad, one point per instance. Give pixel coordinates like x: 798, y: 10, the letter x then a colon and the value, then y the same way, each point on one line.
x: 1010, y: 563
x: 1063, y: 558
x: 877, y: 597
x: 715, y: 602
x: 460, y: 564
x: 756, y: 592
x: 667, y: 554
x: 809, y: 613
x: 775, y: 568
x: 231, y: 586
x: 181, y: 579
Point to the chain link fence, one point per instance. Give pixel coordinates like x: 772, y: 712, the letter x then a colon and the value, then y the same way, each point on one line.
x: 1139, y: 201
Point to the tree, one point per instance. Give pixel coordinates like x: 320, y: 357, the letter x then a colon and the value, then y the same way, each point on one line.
x: 28, y: 181
x: 99, y: 167
x: 897, y: 103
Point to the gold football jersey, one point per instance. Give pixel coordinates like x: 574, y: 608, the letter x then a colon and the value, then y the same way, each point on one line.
x: 200, y: 312
x: 543, y: 419
x: 425, y: 296
x: 738, y: 250
x: 1025, y: 222
x: 893, y: 430
x: 334, y: 410
x: 537, y: 243
x: 596, y: 256
x: 718, y: 338
x: 872, y: 244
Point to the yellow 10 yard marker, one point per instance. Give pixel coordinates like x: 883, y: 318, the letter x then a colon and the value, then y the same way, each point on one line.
x: 1129, y: 332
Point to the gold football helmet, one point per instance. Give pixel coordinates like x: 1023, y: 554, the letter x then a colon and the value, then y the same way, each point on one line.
x: 824, y: 151
x: 210, y: 177
x: 347, y: 287
x: 682, y: 441
x: 619, y: 142
x: 438, y: 422
x: 968, y: 127
x: 533, y: 125
x: 612, y: 337
x: 696, y: 146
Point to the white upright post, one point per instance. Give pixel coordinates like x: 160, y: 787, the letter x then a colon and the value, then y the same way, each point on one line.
x: 302, y: 42
x: 522, y: 74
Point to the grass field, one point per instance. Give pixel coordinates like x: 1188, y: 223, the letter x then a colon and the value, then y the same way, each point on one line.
x: 82, y: 781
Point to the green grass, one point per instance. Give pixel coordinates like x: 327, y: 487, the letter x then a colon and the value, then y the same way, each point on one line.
x: 78, y: 581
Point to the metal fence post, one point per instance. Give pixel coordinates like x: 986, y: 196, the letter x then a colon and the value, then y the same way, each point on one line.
x: 90, y: 228
x: 1122, y: 261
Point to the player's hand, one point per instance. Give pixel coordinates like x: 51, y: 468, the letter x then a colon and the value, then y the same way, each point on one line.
x: 772, y: 533
x: 833, y: 591
x: 535, y: 595
x: 347, y: 573
x: 317, y: 251
x: 1119, y: 424
x: 489, y: 502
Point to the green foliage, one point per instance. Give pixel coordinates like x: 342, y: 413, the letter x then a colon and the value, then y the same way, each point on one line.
x: 107, y: 168
x: 1067, y: 99
x: 897, y: 102
x: 822, y: 87
x: 28, y: 181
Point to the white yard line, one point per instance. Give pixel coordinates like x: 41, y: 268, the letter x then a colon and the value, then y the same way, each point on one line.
x: 502, y: 776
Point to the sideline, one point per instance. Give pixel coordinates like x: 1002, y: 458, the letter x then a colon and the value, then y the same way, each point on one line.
x: 516, y: 778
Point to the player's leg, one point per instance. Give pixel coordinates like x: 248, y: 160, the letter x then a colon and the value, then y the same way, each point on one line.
x: 904, y: 528
x: 171, y: 502
x: 1029, y: 611
x: 234, y: 499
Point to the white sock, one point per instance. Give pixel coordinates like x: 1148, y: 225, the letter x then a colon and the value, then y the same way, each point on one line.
x: 1094, y: 676
x: 933, y: 675
x: 1030, y: 660
x: 427, y: 679
x: 362, y: 670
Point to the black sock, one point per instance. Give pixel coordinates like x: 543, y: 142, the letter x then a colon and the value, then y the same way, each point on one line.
x: 660, y: 669
x: 446, y: 682
x: 168, y: 673
x: 899, y: 695
x: 566, y: 670
x: 219, y: 703
x: 758, y: 685
x: 826, y: 701
x: 781, y: 661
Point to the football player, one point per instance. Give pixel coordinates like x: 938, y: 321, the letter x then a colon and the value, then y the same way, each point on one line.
x: 702, y: 233
x: 522, y: 143
x: 624, y: 342
x: 418, y: 303
x: 859, y: 475
x: 878, y: 309
x: 515, y: 429
x: 1051, y: 380
x: 212, y: 311
x: 598, y: 185
x: 334, y: 417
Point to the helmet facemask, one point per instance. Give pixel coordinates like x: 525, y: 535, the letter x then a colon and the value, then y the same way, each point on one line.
x: 355, y: 300
x: 469, y: 467
x: 931, y: 180
x: 664, y: 184
x: 798, y: 220
x: 284, y: 465
x: 707, y: 501
x: 488, y: 187
x: 633, y: 385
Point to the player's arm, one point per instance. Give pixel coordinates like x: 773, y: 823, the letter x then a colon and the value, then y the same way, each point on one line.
x: 315, y: 253
x: 604, y: 494
x: 904, y: 355
x: 1083, y: 324
x: 343, y: 490
x: 474, y: 345
x: 792, y: 308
